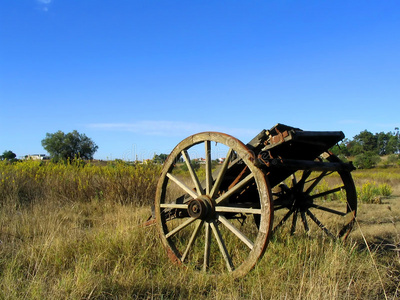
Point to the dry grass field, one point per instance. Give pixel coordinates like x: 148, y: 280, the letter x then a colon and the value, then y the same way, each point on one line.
x: 74, y: 232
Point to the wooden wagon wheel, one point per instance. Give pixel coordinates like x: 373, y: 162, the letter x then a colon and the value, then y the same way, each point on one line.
x: 205, y: 214
x: 315, y: 201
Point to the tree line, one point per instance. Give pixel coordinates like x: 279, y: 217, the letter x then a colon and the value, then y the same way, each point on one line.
x: 367, y: 148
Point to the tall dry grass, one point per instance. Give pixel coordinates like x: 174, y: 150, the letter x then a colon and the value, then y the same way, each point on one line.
x: 73, y: 232
x: 389, y: 176
x: 27, y: 181
x: 100, y: 251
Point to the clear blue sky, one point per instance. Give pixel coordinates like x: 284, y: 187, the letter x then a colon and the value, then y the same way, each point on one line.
x: 139, y: 76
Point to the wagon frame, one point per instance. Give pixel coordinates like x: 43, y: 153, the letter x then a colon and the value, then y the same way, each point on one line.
x: 219, y: 218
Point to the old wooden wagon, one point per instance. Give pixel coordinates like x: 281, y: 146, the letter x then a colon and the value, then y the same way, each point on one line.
x: 218, y: 200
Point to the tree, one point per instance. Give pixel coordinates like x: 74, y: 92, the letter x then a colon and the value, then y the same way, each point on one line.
x: 354, y: 148
x: 63, y: 146
x: 382, y: 142
x: 363, y: 142
x: 366, y: 146
x: 8, y: 155
x: 366, y: 160
x: 160, y: 158
x: 341, y: 149
x: 393, y: 145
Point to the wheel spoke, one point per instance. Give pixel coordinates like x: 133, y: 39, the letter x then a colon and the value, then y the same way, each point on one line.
x: 192, y: 240
x: 305, y: 175
x: 173, y: 205
x: 180, y: 227
x: 193, y: 174
x: 294, y: 221
x: 183, y: 186
x: 294, y: 179
x: 327, y: 193
x: 235, y: 188
x: 221, y: 174
x: 283, y: 219
x: 320, y: 225
x: 316, y: 181
x: 208, y: 167
x: 304, y: 220
x: 256, y: 211
x: 333, y: 211
x: 222, y: 246
x: 303, y: 179
x: 207, y: 243
x: 236, y: 231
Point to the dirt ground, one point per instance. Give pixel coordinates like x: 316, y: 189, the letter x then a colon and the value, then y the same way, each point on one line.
x: 379, y: 223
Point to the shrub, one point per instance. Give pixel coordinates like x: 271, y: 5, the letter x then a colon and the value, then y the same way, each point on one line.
x: 368, y: 192
x: 371, y: 192
x: 366, y: 160
x: 392, y: 158
x: 385, y: 190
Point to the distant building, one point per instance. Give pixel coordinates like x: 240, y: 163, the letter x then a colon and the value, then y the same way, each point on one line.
x: 37, y: 157
x: 146, y: 161
x: 200, y: 160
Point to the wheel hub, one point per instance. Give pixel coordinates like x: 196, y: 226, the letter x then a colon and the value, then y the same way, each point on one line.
x: 200, y: 208
x: 302, y: 201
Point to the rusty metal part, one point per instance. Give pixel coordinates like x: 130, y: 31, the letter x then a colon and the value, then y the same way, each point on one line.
x: 151, y: 221
x: 278, y: 138
x: 238, y: 178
